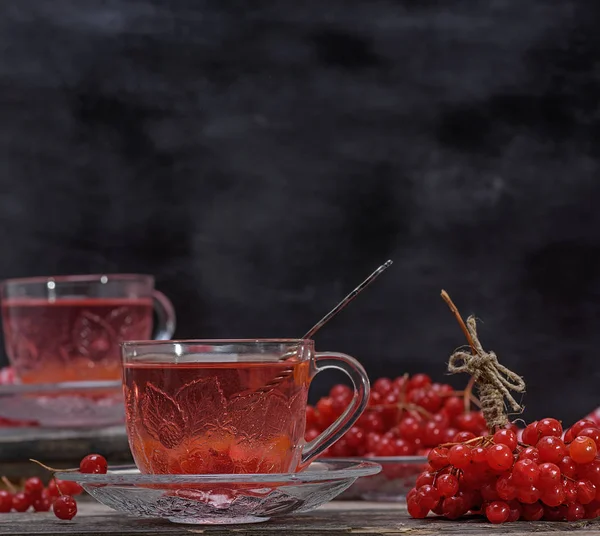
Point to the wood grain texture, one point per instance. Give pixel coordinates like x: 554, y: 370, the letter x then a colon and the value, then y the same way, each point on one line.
x: 337, y: 518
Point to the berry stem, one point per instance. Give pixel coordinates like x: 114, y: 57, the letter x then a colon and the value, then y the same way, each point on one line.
x: 461, y: 322
x: 9, y: 485
x: 53, y: 469
x: 468, y: 393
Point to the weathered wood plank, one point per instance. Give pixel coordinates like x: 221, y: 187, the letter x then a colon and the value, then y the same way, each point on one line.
x: 58, y: 448
x: 59, y: 445
x: 337, y: 518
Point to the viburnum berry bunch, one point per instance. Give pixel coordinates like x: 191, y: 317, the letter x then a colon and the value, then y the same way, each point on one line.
x: 406, y: 416
x: 58, y: 495
x: 32, y: 495
x: 547, y: 474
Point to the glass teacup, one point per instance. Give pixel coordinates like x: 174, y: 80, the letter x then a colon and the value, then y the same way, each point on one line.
x: 68, y: 328
x: 228, y: 406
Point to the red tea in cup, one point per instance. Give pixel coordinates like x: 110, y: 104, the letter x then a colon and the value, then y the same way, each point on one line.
x: 227, y: 407
x: 69, y: 328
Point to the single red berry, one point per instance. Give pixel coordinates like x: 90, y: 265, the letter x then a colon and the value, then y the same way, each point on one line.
x: 506, y: 437
x: 410, y: 428
x: 530, y: 453
x: 468, y: 421
x: 43, y: 502
x: 355, y: 437
x: 447, y: 485
x: 532, y: 512
x: 415, y: 510
x: 570, y: 491
x: 423, y: 479
x: 530, y: 434
x: 497, y: 512
x: 506, y: 487
x: 575, y: 512
x: 454, y: 507
x: 402, y: 447
x: 433, y: 434
x: 529, y: 494
x: 94, y: 463
x: 592, y: 432
x: 372, y: 441
x: 463, y: 436
x: 326, y: 414
x: 69, y: 487
x: 549, y: 427
x: 21, y: 502
x: 551, y: 449
x: 33, y: 486
x: 573, y: 432
x: 5, y: 501
x: 341, y: 391
x: 52, y: 488
x: 383, y: 386
x: 479, y: 455
x: 586, y: 492
x: 583, y: 450
x: 385, y: 447
x: 567, y: 467
x: 499, y: 457
x: 65, y: 507
x: 549, y: 474
x: 311, y: 435
x: 373, y: 422
x: 515, y: 511
x: 459, y: 456
x: 438, y: 457
x: 553, y: 495
x: 526, y: 473
x: 454, y: 405
x: 418, y: 381
x: 428, y: 497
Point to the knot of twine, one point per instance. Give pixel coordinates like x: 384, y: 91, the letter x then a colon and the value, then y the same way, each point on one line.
x: 493, y: 380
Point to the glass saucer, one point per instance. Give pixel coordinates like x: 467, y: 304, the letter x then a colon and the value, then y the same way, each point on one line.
x: 221, y: 499
x: 65, y: 405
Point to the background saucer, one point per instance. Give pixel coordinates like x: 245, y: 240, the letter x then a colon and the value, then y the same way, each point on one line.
x: 64, y: 405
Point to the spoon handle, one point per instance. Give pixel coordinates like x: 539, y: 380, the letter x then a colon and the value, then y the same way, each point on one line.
x: 347, y: 299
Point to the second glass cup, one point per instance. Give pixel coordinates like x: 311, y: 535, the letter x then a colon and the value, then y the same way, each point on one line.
x: 68, y: 328
x: 228, y: 406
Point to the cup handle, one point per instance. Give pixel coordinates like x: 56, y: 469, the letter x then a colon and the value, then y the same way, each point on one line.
x: 352, y: 368
x: 165, y: 311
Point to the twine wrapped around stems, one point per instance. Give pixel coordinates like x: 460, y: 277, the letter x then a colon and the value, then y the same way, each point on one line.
x: 494, y: 381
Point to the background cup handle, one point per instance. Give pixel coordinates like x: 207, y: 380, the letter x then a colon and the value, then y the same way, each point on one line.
x: 352, y: 368
x: 165, y: 327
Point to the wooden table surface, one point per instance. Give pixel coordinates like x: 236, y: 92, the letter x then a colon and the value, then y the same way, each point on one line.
x: 336, y: 518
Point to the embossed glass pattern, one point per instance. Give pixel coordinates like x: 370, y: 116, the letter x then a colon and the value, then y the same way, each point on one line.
x: 228, y: 407
x: 221, y: 499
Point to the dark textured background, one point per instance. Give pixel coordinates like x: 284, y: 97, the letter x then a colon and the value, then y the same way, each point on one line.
x: 262, y: 157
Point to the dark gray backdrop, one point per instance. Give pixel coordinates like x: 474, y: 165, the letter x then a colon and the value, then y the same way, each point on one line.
x: 262, y: 157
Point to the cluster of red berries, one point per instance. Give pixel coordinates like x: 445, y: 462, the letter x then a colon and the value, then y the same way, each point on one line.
x: 406, y: 416
x: 547, y: 475
x: 58, y: 495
